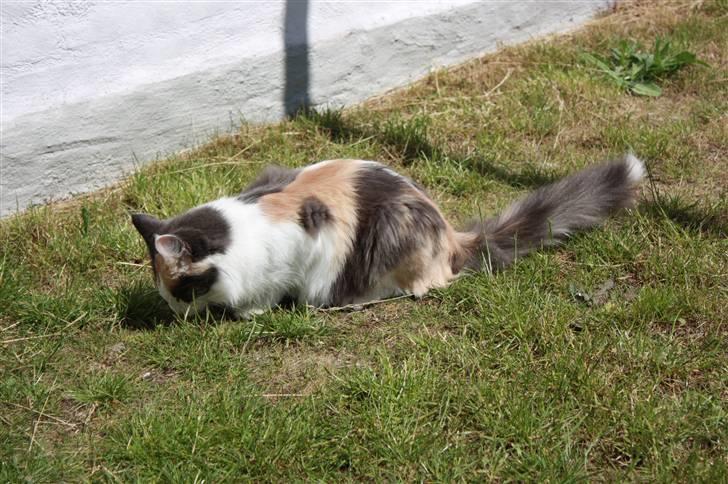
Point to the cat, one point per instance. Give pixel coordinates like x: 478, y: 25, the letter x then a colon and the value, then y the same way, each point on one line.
x: 342, y: 232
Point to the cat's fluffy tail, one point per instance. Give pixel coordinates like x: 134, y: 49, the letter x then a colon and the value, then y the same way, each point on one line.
x: 553, y: 212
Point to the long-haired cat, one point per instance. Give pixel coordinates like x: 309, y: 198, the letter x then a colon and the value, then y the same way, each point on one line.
x: 350, y: 231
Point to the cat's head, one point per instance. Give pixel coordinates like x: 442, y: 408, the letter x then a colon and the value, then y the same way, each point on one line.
x: 182, y: 253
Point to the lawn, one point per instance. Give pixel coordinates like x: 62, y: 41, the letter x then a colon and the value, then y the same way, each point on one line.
x: 605, y: 359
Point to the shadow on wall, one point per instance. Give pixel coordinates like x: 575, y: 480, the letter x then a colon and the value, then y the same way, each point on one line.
x: 295, y: 42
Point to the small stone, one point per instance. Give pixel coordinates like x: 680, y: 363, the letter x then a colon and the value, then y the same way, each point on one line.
x: 114, y: 353
x: 601, y: 295
x: 117, y: 349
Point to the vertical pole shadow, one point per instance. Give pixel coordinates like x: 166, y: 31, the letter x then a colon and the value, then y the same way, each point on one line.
x: 295, y: 43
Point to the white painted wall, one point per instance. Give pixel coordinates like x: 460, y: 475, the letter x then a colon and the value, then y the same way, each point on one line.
x: 65, y: 52
x: 87, y: 86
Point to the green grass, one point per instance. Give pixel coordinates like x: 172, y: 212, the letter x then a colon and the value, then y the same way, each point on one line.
x: 602, y: 360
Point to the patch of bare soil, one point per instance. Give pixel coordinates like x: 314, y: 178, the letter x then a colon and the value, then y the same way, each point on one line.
x: 294, y: 371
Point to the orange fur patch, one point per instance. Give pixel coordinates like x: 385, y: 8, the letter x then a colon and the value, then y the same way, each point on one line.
x: 332, y: 182
x: 164, y: 272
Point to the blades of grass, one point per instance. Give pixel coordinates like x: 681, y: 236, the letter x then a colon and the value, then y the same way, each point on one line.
x: 596, y: 60
x: 646, y: 89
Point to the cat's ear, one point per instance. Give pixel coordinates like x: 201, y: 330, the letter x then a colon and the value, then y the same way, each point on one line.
x: 146, y: 225
x: 170, y: 246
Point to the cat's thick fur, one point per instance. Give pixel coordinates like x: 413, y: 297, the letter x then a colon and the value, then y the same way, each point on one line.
x: 350, y: 231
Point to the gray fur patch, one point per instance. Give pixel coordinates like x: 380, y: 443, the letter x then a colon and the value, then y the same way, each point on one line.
x: 313, y: 214
x: 272, y: 180
x: 203, y: 229
x: 393, y: 220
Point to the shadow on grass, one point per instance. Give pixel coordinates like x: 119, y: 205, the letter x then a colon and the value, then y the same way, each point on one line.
x: 688, y: 215
x: 140, y: 307
x: 409, y: 138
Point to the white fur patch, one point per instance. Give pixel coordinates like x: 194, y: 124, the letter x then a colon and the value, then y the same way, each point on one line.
x: 258, y: 267
x: 636, y: 168
x: 267, y: 260
x: 321, y: 265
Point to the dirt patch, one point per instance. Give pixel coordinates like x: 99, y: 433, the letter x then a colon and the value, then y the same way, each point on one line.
x: 691, y: 330
x: 297, y: 371
x: 76, y: 415
x: 300, y: 369
x: 112, y: 356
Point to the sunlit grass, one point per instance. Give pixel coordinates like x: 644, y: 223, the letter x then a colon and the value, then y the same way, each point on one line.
x: 602, y: 360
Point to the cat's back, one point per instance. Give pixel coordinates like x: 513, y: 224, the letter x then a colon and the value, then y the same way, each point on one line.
x: 340, y: 190
x: 365, y: 219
